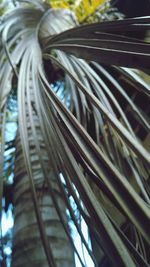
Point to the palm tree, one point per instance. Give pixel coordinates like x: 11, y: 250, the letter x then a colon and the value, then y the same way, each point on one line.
x: 91, y: 136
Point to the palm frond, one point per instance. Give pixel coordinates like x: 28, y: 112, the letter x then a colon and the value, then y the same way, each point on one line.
x: 86, y: 42
x: 114, y: 154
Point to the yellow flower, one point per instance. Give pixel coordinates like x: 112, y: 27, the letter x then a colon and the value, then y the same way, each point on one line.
x: 82, y: 8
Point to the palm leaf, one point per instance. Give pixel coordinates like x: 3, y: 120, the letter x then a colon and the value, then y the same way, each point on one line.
x: 124, y: 52
x: 114, y: 149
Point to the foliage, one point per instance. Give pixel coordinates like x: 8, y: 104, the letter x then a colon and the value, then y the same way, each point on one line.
x: 2, y: 8
x: 82, y: 8
x: 93, y: 143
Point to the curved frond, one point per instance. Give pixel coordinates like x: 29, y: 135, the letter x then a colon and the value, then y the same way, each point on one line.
x: 90, y: 139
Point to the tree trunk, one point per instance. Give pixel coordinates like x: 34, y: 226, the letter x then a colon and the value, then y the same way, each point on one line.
x: 27, y: 245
